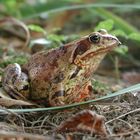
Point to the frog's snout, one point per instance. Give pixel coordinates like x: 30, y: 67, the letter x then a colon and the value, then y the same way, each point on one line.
x: 107, y: 36
x: 110, y: 40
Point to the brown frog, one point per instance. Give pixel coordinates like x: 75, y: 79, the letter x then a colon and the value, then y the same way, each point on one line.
x: 62, y: 75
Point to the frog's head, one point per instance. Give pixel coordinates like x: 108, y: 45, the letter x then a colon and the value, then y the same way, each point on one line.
x: 102, y: 40
x: 95, y: 44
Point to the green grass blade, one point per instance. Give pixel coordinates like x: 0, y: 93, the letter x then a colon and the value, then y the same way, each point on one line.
x: 120, y: 92
x: 66, y: 6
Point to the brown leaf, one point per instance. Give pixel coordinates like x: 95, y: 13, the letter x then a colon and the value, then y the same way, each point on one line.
x: 86, y: 121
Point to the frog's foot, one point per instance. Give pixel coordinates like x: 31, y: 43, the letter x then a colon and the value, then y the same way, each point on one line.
x: 57, y: 99
x: 15, y: 82
x: 85, y: 93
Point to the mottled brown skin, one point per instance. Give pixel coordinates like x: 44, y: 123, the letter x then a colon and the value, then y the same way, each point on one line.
x: 62, y: 76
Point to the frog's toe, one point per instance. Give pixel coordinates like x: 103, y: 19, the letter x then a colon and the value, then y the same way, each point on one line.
x: 84, y: 94
x: 57, y: 101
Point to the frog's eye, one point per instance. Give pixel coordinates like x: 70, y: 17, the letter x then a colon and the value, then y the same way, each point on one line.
x: 94, y: 38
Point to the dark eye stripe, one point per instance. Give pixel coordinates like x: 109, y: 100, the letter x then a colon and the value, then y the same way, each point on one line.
x: 80, y: 49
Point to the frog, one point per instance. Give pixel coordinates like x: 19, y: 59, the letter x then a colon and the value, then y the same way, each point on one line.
x: 61, y: 75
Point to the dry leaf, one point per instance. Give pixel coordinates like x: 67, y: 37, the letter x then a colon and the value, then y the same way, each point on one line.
x: 85, y: 121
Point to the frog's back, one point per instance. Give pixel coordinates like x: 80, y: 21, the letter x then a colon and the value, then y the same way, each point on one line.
x: 41, y: 69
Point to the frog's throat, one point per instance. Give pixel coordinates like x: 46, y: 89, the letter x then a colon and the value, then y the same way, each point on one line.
x: 99, y: 51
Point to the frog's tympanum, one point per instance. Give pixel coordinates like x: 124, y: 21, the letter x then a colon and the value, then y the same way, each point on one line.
x: 62, y: 75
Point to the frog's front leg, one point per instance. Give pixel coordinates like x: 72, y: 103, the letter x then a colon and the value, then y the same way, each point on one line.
x: 83, y: 93
x: 56, y: 98
x: 15, y: 82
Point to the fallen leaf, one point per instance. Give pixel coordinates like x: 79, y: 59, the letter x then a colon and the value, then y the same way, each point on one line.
x: 85, y: 121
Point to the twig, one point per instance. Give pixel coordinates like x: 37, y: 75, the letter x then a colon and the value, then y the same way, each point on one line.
x: 43, y: 121
x: 4, y: 134
x: 16, y: 114
x: 108, y: 129
x: 131, y: 127
x: 136, y: 110
x: 125, y: 134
